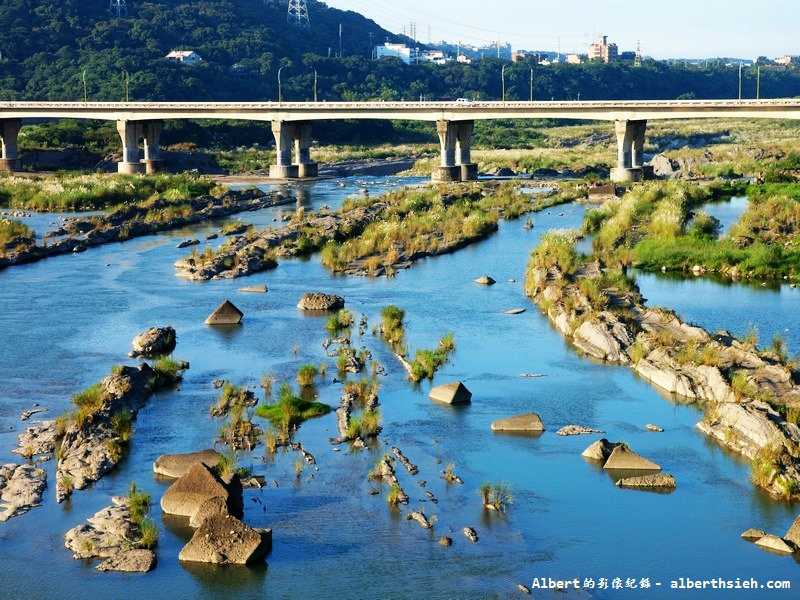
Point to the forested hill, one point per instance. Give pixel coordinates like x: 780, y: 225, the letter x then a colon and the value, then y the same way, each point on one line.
x: 65, y: 49
x: 47, y: 44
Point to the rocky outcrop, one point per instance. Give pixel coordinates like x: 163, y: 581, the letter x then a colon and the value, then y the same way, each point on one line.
x: 199, y: 484
x: 225, y: 540
x: 246, y: 254
x: 130, y: 221
x: 420, y: 518
x: 451, y: 393
x: 225, y: 314
x: 793, y: 535
x: 683, y: 360
x: 154, y: 341
x: 175, y: 466
x: 39, y: 440
x: 21, y: 488
x: 320, y: 301
x: 112, y: 535
x: 528, y: 422
x: 93, y: 444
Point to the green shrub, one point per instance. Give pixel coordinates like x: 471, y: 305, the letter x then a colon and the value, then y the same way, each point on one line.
x: 306, y: 375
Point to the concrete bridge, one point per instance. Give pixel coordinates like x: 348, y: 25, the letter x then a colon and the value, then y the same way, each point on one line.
x: 292, y: 124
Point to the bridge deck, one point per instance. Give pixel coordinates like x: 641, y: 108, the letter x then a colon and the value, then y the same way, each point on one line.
x: 415, y: 111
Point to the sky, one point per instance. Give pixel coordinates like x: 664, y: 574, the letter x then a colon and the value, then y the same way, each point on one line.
x: 672, y: 29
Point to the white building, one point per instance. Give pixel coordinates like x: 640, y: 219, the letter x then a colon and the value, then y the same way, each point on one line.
x: 400, y: 51
x: 186, y: 57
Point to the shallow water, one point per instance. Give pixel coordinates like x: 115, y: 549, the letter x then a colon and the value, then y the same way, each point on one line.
x: 67, y: 320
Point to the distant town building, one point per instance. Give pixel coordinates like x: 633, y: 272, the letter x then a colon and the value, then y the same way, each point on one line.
x: 603, y: 50
x: 787, y: 60
x: 410, y: 55
x: 186, y: 57
x: 574, y: 59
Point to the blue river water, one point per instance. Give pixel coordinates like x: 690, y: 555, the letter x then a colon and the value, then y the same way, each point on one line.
x: 67, y: 320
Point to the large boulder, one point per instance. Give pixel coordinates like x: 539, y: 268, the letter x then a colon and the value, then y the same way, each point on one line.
x: 600, y: 450
x: 793, y: 535
x: 225, y: 314
x: 154, y: 341
x: 320, y: 301
x: 623, y: 457
x: 485, y: 280
x: 519, y: 423
x: 774, y: 544
x: 198, y: 485
x: 225, y: 540
x: 451, y: 393
x: 175, y: 466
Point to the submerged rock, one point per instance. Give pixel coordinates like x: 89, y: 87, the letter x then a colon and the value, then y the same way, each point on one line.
x: 135, y: 560
x: 254, y: 289
x: 577, y: 430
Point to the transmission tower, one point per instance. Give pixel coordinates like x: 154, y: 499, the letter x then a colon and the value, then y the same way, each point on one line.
x: 638, y: 60
x: 298, y: 14
x: 118, y: 8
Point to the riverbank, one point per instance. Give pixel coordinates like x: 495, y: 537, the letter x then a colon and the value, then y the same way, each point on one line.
x: 750, y: 398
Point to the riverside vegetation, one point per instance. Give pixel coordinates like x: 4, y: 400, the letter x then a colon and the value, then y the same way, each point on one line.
x: 750, y: 397
x: 378, y: 236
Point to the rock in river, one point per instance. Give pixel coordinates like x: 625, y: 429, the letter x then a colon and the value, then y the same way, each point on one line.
x: 176, y: 465
x: 320, y: 301
x: 451, y: 393
x: 519, y: 423
x: 225, y: 314
x: 662, y: 481
x: 623, y: 457
x: 156, y: 340
x: 199, y: 484
x: 225, y: 540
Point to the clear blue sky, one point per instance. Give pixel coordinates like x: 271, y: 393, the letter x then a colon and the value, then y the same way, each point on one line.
x: 671, y: 29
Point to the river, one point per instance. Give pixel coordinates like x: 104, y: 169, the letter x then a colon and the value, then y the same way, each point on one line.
x: 68, y: 319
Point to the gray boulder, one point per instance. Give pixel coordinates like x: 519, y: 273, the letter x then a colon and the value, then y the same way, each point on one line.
x: 519, y: 423
x: 753, y: 535
x: 154, y: 341
x: 176, y: 465
x: 225, y: 540
x: 451, y: 393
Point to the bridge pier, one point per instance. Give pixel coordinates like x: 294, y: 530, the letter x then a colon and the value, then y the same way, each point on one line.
x: 131, y: 132
x: 454, y: 142
x: 292, y: 135
x: 630, y: 150
x: 9, y: 132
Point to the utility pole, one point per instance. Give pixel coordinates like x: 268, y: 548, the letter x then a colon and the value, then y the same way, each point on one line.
x: 740, y: 82
x: 340, y: 40
x: 758, y: 82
